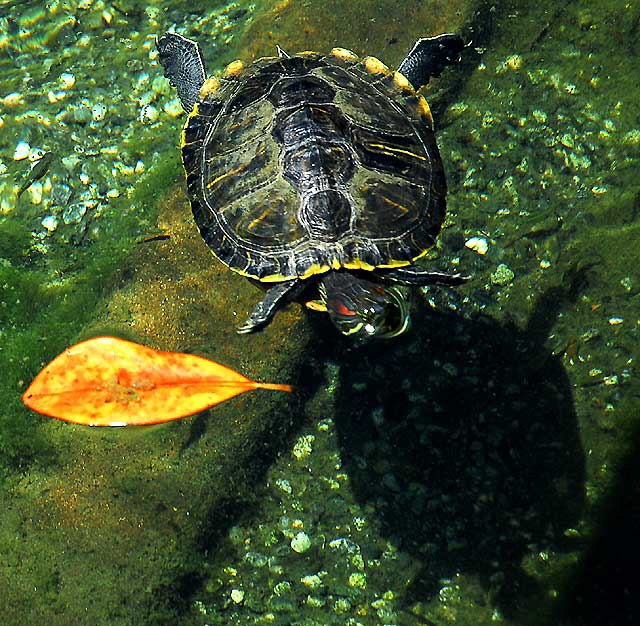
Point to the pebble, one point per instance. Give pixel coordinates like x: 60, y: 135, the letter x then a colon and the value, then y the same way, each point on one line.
x: 303, y: 447
x: 284, y: 484
x: 12, y: 99
x: 149, y: 114
x: 539, y: 116
x: 67, y: 80
x: 358, y: 580
x: 56, y: 96
x: 477, y: 244
x: 60, y: 194
x: 161, y: 85
x: 50, y: 223
x: 22, y: 151
x: 237, y: 595
x: 301, y: 543
x: 341, y: 605
x: 35, y: 193
x: 79, y: 115
x: 502, y: 276
x: 173, y: 108
x: 312, y: 581
x: 514, y: 62
x: 632, y: 138
x: 98, y: 112
x: 74, y: 213
x: 256, y: 559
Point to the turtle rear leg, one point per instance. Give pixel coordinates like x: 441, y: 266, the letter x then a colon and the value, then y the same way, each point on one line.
x: 413, y: 275
x: 183, y: 66
x: 429, y: 56
x: 264, y: 311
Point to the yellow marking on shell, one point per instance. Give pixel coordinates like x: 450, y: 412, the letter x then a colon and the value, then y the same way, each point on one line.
x: 424, y: 109
x: 234, y: 68
x: 279, y: 278
x: 419, y: 256
x: 194, y: 112
x: 258, y: 219
x: 274, y: 278
x: 315, y: 269
x: 355, y: 264
x: 306, y: 53
x: 358, y: 264
x: 229, y: 173
x: 390, y: 150
x: 267, y: 58
x: 344, y: 54
x: 401, y: 81
x: 375, y: 66
x: 404, y: 209
x: 316, y: 305
x: 209, y: 87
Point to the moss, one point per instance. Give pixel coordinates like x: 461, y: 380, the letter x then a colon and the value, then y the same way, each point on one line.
x: 15, y: 242
x: 47, y: 300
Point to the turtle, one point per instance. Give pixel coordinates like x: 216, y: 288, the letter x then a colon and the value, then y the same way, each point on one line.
x: 317, y: 176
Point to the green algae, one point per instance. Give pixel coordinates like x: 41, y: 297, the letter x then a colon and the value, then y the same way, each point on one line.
x: 540, y: 135
x: 48, y: 299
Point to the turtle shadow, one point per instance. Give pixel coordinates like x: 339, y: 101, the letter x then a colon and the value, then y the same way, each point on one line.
x: 462, y: 436
x: 604, y: 590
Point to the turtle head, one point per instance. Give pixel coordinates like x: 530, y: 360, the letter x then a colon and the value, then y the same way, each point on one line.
x: 362, y: 309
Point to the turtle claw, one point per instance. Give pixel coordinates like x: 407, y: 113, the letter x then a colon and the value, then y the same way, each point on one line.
x: 266, y: 309
x: 415, y: 275
x: 429, y: 56
x: 248, y: 326
x: 183, y: 66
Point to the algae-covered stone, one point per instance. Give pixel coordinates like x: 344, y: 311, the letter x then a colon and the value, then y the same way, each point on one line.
x: 503, y: 275
x: 301, y: 542
x: 130, y: 512
x: 385, y: 29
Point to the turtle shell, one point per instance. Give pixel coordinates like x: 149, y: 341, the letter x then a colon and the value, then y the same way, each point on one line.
x: 298, y: 165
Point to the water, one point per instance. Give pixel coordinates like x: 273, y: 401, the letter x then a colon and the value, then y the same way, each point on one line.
x: 478, y: 470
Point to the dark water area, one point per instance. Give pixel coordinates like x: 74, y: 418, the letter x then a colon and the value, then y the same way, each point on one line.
x: 481, y: 468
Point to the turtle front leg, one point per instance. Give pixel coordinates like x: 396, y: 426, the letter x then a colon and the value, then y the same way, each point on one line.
x: 413, y: 275
x: 264, y: 311
x: 429, y: 56
x: 183, y: 66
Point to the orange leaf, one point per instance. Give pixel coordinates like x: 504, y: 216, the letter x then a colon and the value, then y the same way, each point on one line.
x: 107, y: 381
